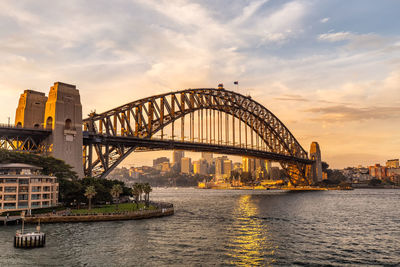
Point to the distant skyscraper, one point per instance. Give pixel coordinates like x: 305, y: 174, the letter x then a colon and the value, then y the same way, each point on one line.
x: 186, y: 164
x: 227, y: 168
x: 177, y: 155
x: 207, y: 156
x: 249, y: 164
x: 160, y: 160
x: 219, y: 167
x: 268, y: 168
x: 200, y: 167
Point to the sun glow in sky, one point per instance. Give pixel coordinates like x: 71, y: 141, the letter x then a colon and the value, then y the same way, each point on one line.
x: 329, y: 70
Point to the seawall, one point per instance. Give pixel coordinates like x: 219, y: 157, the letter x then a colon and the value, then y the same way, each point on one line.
x: 136, y: 215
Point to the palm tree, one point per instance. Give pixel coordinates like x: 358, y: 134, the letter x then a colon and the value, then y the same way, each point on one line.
x: 90, y: 193
x: 116, y: 190
x: 140, y: 188
x: 147, y: 189
x: 136, y: 193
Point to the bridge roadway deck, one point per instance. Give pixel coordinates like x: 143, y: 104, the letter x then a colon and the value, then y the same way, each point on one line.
x: 13, y: 131
x: 160, y: 144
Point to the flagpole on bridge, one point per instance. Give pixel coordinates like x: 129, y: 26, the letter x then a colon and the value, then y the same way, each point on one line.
x: 237, y: 85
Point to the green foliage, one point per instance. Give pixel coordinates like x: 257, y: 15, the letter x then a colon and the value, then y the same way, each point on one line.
x: 375, y: 182
x: 90, y: 191
x: 116, y: 190
x: 50, y: 165
x: 246, y: 178
x: 336, y: 176
x: 124, y: 207
x: 325, y: 166
x: 103, y: 188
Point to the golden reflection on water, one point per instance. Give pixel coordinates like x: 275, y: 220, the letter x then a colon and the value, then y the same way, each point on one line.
x: 250, y: 245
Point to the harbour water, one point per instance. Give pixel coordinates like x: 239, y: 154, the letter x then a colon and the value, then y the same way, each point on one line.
x: 223, y: 227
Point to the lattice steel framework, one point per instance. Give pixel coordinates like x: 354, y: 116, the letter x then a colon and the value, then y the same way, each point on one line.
x: 30, y: 140
x: 111, y: 136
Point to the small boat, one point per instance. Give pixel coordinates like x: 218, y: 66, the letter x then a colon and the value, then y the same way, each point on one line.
x: 29, y: 240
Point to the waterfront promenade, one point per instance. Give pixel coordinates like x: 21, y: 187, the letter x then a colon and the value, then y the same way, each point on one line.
x: 159, y: 209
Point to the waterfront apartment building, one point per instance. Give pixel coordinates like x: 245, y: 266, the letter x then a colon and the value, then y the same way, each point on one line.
x: 22, y: 187
x: 377, y: 171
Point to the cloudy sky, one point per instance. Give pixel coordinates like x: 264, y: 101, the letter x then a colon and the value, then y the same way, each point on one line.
x: 330, y: 70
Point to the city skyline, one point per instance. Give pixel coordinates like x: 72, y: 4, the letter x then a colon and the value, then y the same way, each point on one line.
x: 330, y: 74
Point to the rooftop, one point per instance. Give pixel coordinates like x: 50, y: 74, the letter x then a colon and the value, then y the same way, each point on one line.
x: 19, y: 166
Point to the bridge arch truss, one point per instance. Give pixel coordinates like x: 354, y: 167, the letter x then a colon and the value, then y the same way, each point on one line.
x: 215, y: 120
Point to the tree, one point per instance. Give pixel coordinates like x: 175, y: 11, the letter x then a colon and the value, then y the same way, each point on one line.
x: 136, y: 193
x: 140, y: 188
x: 375, y: 182
x: 147, y: 189
x: 90, y: 193
x: 116, y: 190
x: 325, y: 166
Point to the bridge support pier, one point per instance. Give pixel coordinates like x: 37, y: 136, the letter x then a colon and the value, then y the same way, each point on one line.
x: 63, y: 114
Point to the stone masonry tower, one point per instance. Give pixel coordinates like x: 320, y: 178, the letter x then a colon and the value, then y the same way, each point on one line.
x: 30, y: 111
x: 63, y: 114
x: 315, y: 154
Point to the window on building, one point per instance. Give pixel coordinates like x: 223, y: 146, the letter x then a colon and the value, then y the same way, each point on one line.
x: 35, y: 196
x: 10, y: 180
x: 35, y: 204
x: 23, y: 189
x: 36, y: 188
x: 10, y: 189
x: 22, y: 205
x: 23, y: 181
x: 23, y: 197
x: 46, y: 188
x: 9, y: 206
x: 10, y: 197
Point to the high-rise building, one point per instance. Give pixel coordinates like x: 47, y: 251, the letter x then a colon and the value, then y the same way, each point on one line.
x: 160, y: 160
x: 249, y: 164
x: 186, y: 165
x: 268, y: 168
x: 219, y: 167
x: 200, y: 167
x: 227, y: 168
x: 207, y: 156
x: 392, y: 163
x: 177, y: 155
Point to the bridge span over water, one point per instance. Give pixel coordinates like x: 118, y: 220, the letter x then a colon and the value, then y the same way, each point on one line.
x: 203, y: 120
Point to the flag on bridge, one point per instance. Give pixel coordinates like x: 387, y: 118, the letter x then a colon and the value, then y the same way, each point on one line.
x: 236, y: 82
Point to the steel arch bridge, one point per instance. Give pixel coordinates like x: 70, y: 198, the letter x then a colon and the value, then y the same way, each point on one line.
x: 209, y: 119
